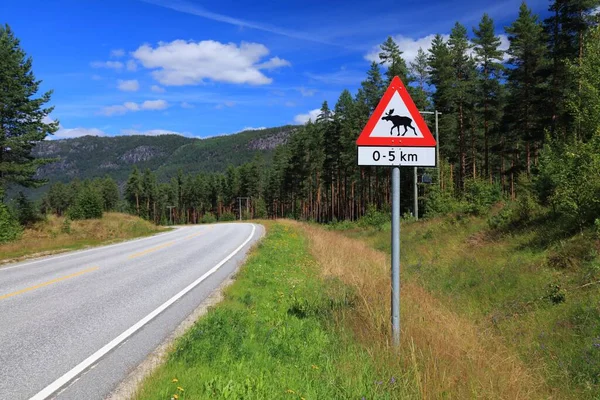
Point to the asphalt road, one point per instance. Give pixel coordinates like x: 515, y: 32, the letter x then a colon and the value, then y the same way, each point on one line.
x: 73, y: 326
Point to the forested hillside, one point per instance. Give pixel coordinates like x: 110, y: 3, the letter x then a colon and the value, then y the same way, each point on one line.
x: 92, y: 156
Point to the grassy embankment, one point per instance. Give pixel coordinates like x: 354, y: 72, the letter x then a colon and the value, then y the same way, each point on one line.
x: 308, y: 318
x: 55, y: 235
x: 535, y: 289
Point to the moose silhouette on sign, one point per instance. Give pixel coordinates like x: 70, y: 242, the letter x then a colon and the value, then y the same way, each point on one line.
x: 399, y: 121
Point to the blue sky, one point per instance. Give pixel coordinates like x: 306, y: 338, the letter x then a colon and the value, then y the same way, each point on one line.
x: 202, y: 68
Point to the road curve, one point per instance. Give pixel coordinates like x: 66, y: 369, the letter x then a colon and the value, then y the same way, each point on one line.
x: 73, y: 326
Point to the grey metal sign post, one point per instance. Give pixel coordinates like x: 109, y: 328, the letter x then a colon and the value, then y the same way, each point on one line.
x: 396, y: 255
x: 390, y: 139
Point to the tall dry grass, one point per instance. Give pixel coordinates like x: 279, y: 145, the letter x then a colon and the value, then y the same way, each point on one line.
x: 54, y: 235
x: 450, y: 357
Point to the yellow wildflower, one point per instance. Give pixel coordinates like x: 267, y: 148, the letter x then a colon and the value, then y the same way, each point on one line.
x: 175, y: 380
x: 314, y: 367
x: 175, y: 396
x: 290, y: 391
x: 180, y: 388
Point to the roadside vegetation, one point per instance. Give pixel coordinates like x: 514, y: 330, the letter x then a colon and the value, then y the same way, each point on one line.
x: 308, y: 317
x: 57, y: 234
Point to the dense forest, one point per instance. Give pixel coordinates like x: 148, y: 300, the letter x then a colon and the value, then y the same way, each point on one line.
x: 521, y: 123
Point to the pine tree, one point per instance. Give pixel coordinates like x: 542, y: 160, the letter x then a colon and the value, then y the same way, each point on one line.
x: 460, y: 92
x: 391, y: 55
x: 419, y: 73
x: 21, y: 115
x: 110, y: 193
x: 441, y: 78
x: 489, y: 58
x: 526, y: 107
x: 133, y: 190
x: 566, y: 28
x: 584, y: 103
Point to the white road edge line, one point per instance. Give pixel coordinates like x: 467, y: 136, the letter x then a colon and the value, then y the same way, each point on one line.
x: 66, y: 378
x: 77, y: 252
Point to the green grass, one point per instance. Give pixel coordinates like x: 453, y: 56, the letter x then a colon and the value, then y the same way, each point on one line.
x: 275, y: 336
x: 531, y: 295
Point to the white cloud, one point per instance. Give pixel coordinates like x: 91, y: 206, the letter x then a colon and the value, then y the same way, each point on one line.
x: 307, y: 92
x: 117, y: 53
x: 181, y: 63
x: 131, y: 65
x: 304, y: 118
x: 274, y: 63
x: 290, y: 104
x: 64, y: 133
x: 185, y: 104
x: 152, y: 132
x: 96, y: 77
x: 225, y: 104
x: 67, y: 133
x: 157, y: 89
x: 154, y: 105
x: 410, y: 47
x: 126, y: 107
x: 129, y: 86
x: 117, y: 65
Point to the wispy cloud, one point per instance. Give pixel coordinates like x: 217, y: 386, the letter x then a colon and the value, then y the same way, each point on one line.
x: 131, y: 65
x: 225, y: 104
x: 157, y: 89
x: 128, y: 86
x: 342, y: 76
x: 189, y: 8
x: 185, y: 104
x: 117, y: 53
x: 118, y: 65
x: 130, y: 106
x: 307, y: 92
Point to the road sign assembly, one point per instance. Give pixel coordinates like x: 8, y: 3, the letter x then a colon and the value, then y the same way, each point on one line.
x: 396, y: 135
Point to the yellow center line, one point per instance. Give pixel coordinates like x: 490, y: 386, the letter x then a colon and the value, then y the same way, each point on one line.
x: 195, y: 234
x: 41, y: 285
x: 151, y: 250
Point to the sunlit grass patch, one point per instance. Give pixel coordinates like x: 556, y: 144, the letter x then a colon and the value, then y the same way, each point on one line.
x: 57, y: 234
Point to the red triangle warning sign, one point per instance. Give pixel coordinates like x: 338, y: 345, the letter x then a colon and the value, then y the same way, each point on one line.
x: 396, y: 121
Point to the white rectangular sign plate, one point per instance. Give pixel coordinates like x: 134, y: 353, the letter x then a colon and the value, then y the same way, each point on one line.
x: 396, y: 156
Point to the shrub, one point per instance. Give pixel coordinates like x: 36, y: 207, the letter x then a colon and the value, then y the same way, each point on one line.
x: 373, y: 218
x: 260, y: 209
x: 88, y: 204
x: 9, y: 226
x: 25, y: 210
x: 208, y: 218
x: 66, y: 226
x: 227, y: 216
x: 568, y: 181
x: 440, y: 202
x: 480, y: 195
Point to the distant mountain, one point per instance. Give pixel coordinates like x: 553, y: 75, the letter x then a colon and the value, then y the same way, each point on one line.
x: 92, y: 156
